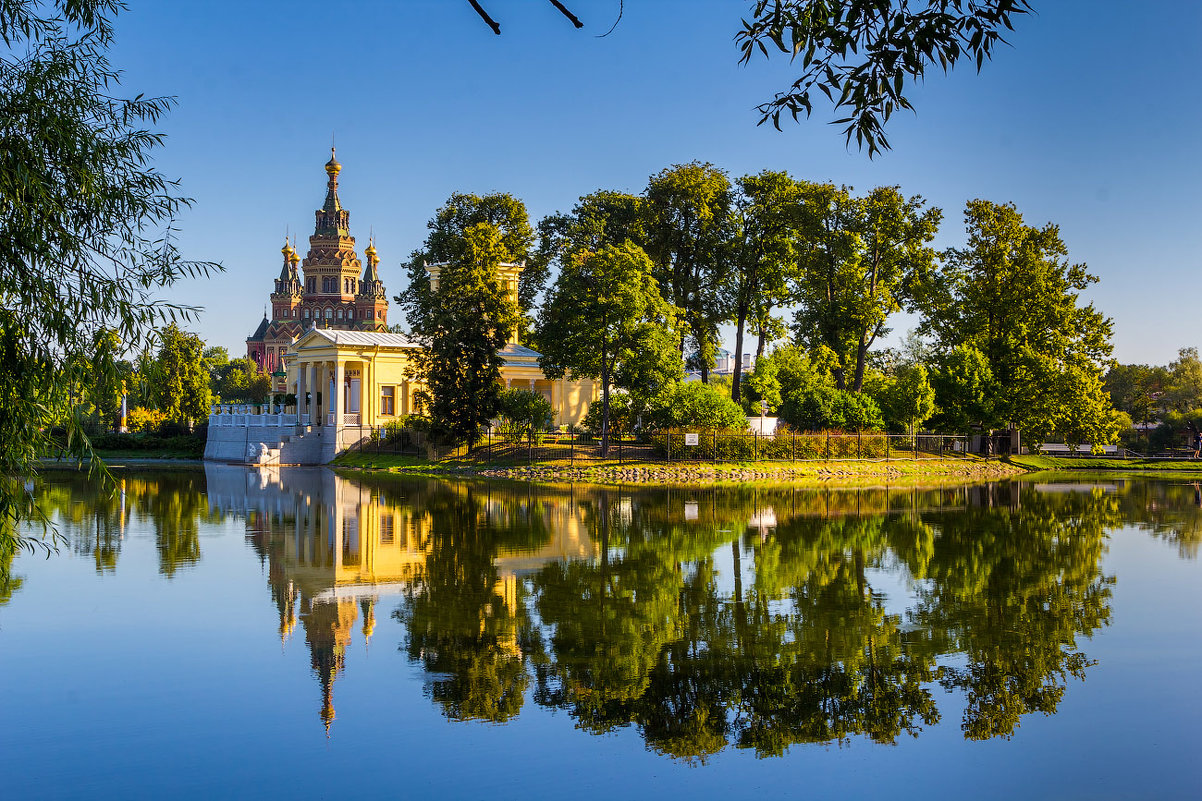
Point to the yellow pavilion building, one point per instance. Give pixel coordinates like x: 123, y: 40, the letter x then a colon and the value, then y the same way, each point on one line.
x: 327, y: 343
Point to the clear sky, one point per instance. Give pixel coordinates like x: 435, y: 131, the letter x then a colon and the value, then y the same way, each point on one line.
x: 1090, y: 120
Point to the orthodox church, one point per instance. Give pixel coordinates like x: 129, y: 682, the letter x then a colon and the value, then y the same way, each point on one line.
x: 327, y: 344
x: 335, y: 290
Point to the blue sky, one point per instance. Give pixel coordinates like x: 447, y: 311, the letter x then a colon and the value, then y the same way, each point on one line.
x: 1090, y: 121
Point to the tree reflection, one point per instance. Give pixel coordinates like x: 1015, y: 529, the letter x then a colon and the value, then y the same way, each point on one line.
x: 465, y: 627
x: 701, y: 618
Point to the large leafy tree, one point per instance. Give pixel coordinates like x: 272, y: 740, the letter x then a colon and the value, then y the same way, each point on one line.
x: 766, y: 216
x: 182, y: 389
x: 859, y: 260
x: 605, y: 319
x: 85, y: 238
x: 463, y: 326
x: 502, y: 211
x: 689, y: 227
x: 1012, y: 295
x: 863, y: 55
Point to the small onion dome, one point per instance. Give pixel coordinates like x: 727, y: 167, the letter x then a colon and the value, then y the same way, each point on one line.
x: 332, y: 166
x: 293, y: 256
x: 370, y: 253
x: 286, y: 249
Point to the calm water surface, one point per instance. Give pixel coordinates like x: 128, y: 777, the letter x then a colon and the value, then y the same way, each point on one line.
x: 296, y: 634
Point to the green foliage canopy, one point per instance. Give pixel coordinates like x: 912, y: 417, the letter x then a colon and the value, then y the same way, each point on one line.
x: 85, y: 226
x: 1011, y: 295
x: 605, y: 319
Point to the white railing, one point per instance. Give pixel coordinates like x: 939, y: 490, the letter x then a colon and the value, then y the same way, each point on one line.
x: 240, y: 420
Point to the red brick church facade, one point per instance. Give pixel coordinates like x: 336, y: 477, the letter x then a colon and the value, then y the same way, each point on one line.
x: 335, y: 291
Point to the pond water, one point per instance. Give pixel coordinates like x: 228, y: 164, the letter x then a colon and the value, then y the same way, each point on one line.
x: 232, y: 632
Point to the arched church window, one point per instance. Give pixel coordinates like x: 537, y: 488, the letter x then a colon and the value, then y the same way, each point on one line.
x: 306, y: 314
x: 329, y: 314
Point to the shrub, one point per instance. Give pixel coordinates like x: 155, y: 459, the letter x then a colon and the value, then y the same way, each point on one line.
x: 140, y: 420
x: 818, y: 408
x: 726, y: 445
x: 696, y: 405
x: 523, y: 413
x: 623, y: 414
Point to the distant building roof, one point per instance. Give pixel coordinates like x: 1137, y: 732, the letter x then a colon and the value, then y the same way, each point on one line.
x: 368, y: 338
x: 260, y: 332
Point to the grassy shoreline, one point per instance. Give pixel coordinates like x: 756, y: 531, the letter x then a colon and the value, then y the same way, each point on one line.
x: 677, y: 473
x: 1035, y: 462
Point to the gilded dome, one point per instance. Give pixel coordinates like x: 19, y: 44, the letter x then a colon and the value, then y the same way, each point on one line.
x: 332, y: 166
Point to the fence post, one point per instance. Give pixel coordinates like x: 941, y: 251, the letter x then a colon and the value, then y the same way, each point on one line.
x: 572, y: 448
x: 755, y: 446
x: 888, y: 446
x: 828, y: 444
x: 619, y: 450
x: 859, y: 444
x: 914, y: 445
x: 793, y: 448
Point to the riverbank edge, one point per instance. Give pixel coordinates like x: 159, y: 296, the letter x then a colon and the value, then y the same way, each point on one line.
x: 684, y: 473
x: 1035, y: 462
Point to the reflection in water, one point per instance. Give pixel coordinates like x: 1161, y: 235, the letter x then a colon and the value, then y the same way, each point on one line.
x: 707, y: 618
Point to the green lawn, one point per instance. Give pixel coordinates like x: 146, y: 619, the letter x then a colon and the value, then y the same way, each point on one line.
x: 1033, y: 462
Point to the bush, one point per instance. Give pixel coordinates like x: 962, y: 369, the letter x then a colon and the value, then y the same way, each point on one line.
x: 623, y: 414
x: 819, y: 408
x: 140, y: 420
x: 523, y: 413
x: 188, y: 444
x: 696, y: 405
x: 725, y: 445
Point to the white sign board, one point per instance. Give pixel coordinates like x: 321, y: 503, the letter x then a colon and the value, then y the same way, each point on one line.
x: 690, y: 510
x: 692, y: 439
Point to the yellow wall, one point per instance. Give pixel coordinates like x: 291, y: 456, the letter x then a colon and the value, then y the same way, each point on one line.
x: 378, y: 369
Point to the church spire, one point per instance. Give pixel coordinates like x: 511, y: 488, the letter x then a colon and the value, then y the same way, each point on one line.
x: 332, y: 170
x: 371, y: 274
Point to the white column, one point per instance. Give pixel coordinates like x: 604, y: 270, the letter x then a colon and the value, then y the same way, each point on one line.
x: 336, y: 399
x: 302, y: 384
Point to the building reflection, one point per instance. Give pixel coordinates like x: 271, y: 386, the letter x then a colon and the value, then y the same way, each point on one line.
x: 704, y: 617
x: 334, y: 547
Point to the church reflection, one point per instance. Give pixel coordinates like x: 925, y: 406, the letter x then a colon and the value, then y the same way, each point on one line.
x: 705, y: 618
x: 334, y: 547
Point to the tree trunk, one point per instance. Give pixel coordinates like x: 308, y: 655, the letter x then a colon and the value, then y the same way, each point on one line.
x: 736, y: 380
x: 604, y: 401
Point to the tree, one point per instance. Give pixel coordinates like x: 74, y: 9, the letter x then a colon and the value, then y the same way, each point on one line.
x: 605, y: 319
x: 182, y: 391
x: 85, y: 225
x: 1185, y: 381
x: 785, y: 370
x: 523, y: 413
x: 463, y: 327
x: 766, y: 217
x: 910, y: 400
x: 241, y: 381
x: 515, y: 238
x: 964, y: 390
x: 688, y: 212
x: 1012, y: 296
x: 860, y: 259
x: 861, y: 54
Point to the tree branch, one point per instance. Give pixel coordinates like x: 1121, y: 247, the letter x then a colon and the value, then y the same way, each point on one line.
x: 571, y: 17
x: 492, y: 23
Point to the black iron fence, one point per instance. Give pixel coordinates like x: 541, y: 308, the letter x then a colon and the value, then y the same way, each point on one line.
x: 684, y: 445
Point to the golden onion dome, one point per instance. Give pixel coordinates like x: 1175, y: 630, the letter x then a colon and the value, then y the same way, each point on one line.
x: 286, y: 249
x: 332, y: 166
